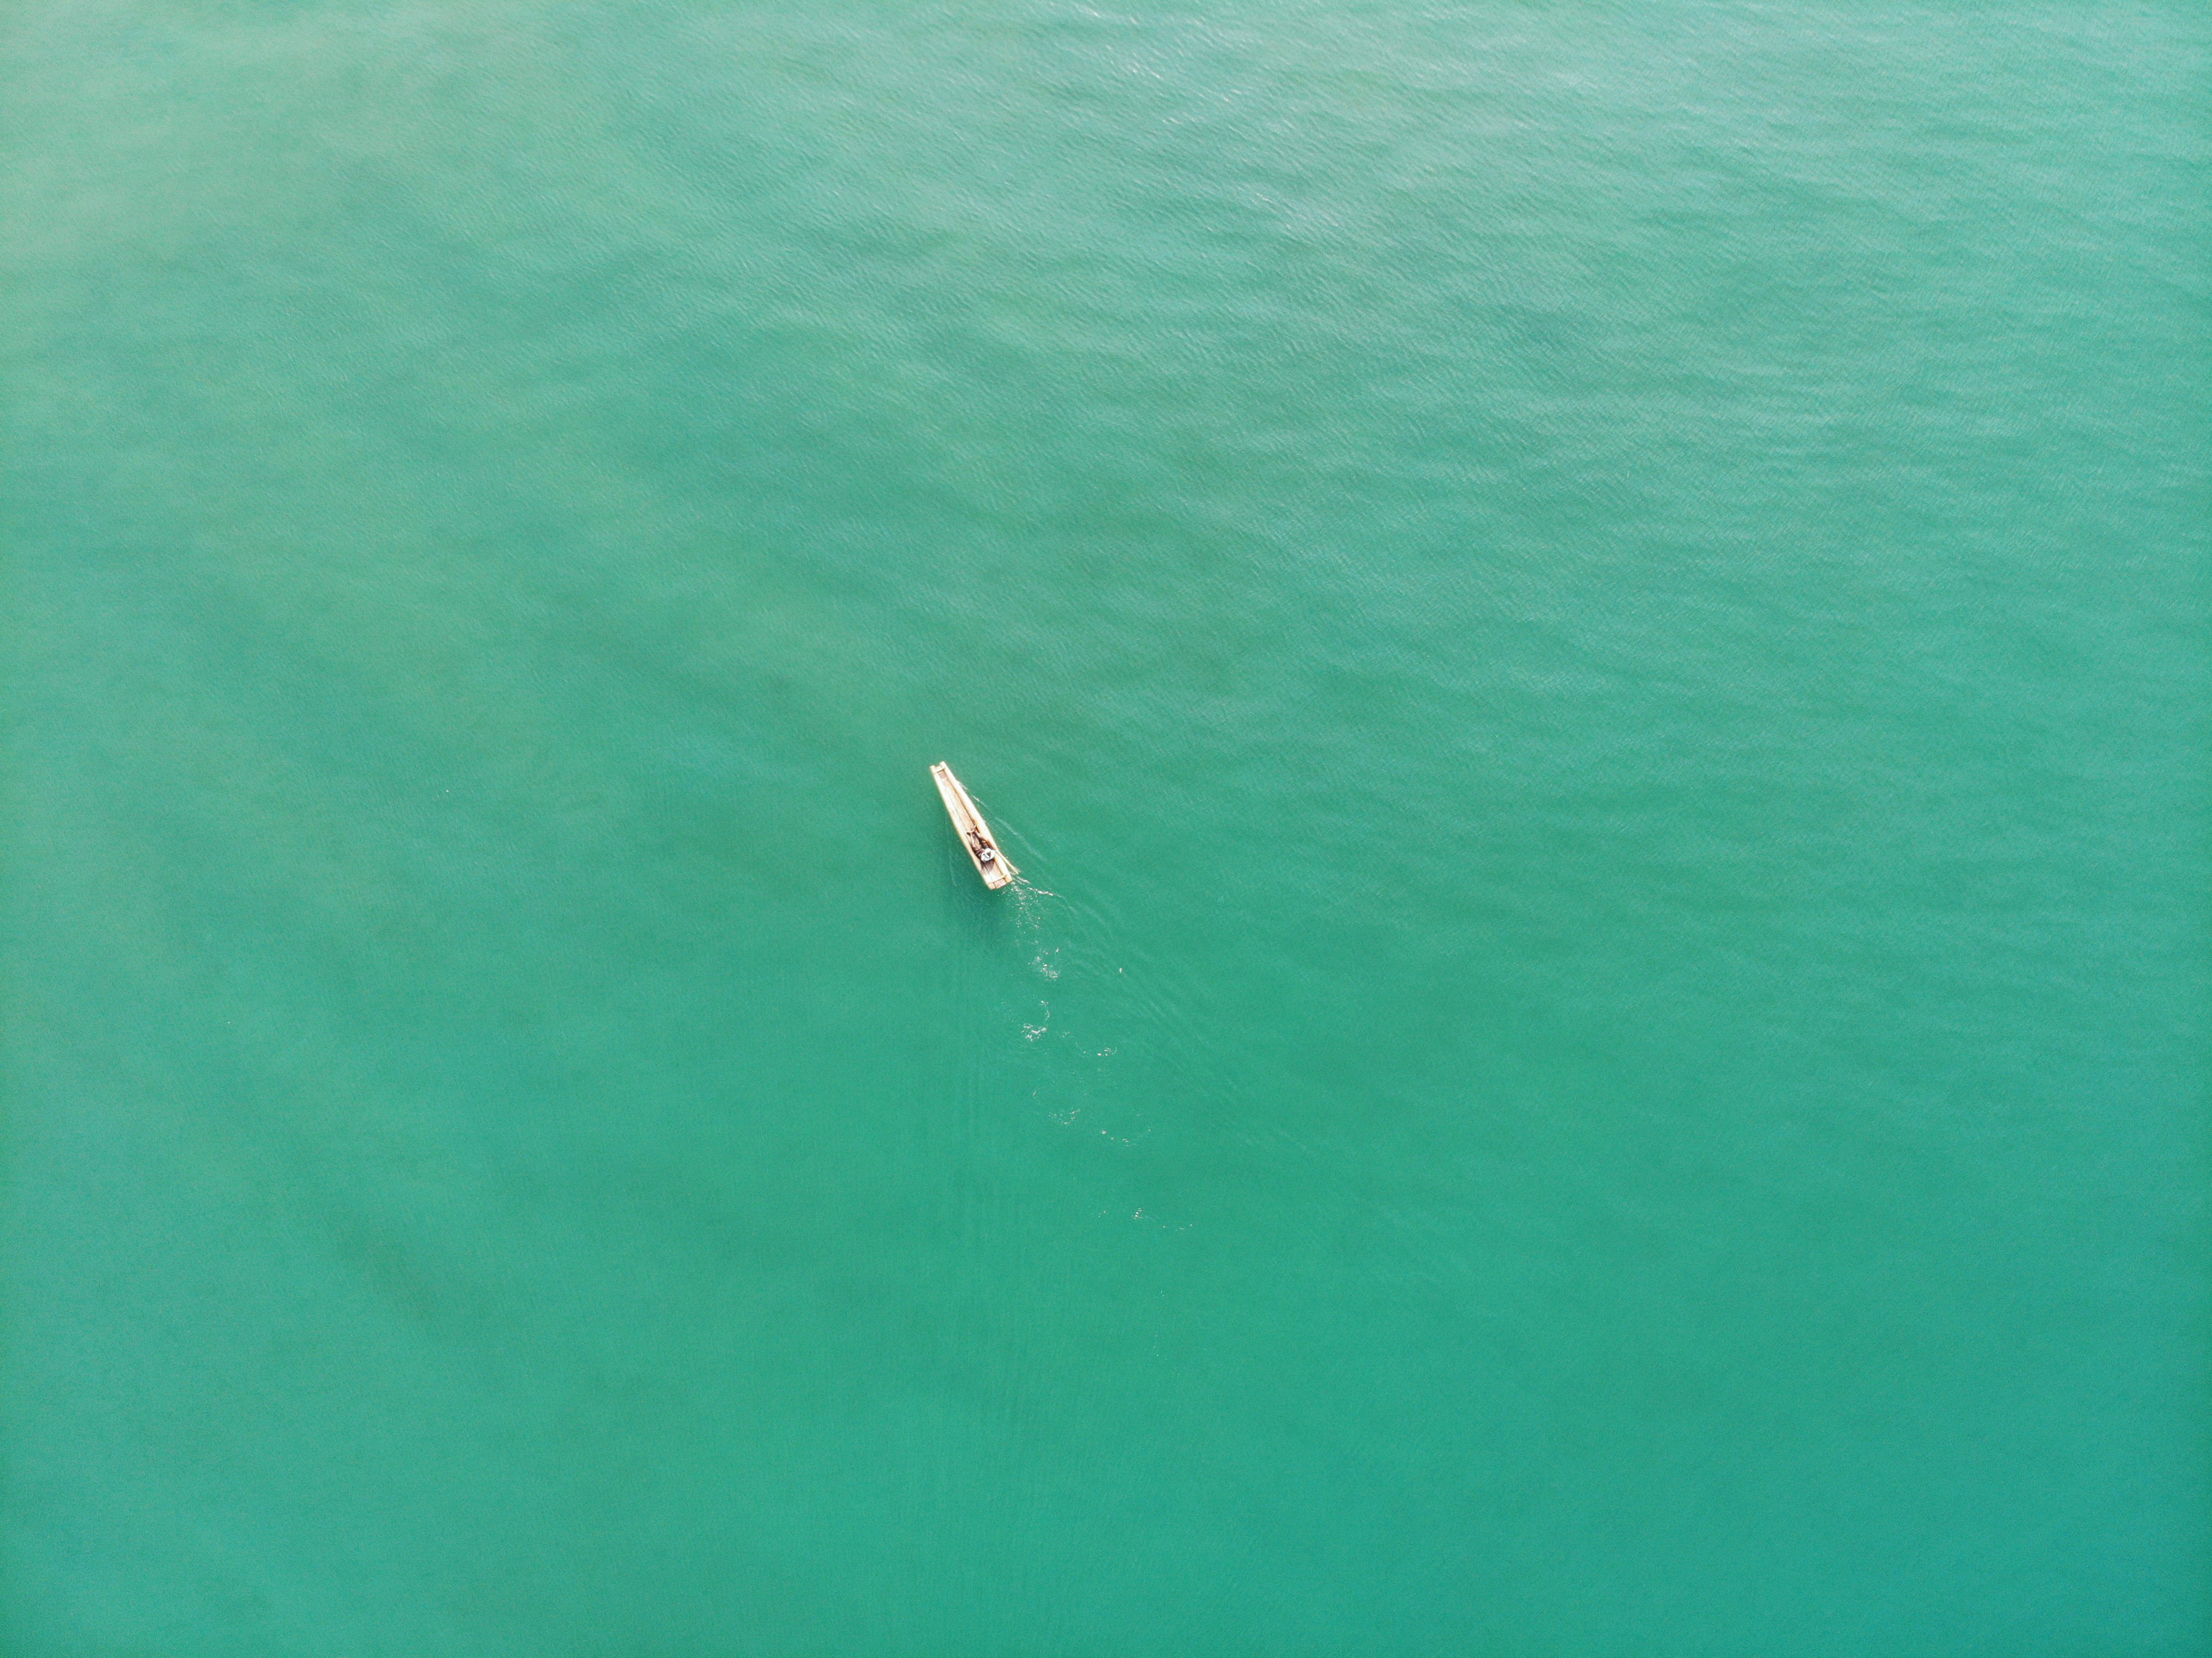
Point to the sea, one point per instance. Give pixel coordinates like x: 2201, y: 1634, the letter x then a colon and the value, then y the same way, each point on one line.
x: 1588, y: 624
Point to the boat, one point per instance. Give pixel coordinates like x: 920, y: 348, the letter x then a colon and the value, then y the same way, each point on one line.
x: 974, y: 834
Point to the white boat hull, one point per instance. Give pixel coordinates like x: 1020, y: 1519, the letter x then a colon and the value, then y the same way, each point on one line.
x: 974, y: 834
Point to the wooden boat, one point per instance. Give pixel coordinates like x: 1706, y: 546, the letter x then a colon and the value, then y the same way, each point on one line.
x: 974, y: 834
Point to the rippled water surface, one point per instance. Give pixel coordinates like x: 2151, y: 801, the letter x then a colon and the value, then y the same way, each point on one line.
x: 1587, y: 621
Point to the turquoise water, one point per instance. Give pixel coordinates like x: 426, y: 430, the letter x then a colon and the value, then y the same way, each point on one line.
x: 1588, y: 622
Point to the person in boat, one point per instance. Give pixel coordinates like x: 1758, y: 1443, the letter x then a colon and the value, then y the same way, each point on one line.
x: 985, y: 852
